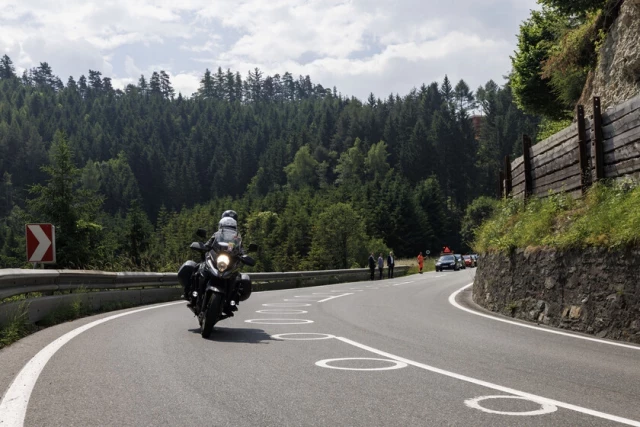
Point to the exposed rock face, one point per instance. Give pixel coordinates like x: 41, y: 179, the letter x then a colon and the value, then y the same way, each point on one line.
x: 617, y: 76
x: 595, y: 290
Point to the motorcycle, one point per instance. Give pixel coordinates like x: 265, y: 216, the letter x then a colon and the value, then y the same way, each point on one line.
x: 214, y: 287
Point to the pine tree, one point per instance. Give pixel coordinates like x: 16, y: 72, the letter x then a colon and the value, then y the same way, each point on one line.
x: 142, y: 85
x: 95, y: 80
x: 165, y: 86
x: 138, y: 232
x: 463, y: 96
x: 207, y: 86
x: 73, y: 211
x: 155, y: 85
x: 447, y: 90
x: 7, y: 70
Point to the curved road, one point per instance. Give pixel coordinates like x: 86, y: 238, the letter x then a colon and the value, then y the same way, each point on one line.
x: 384, y: 353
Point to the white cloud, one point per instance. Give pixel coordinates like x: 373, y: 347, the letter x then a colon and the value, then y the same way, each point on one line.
x: 186, y: 83
x: 357, y: 45
x: 130, y: 67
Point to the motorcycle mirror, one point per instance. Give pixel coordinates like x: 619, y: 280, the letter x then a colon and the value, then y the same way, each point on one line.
x: 201, y: 232
x: 248, y: 260
x: 253, y: 247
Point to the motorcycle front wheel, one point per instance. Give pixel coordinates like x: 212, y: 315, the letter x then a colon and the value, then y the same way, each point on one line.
x: 211, y: 315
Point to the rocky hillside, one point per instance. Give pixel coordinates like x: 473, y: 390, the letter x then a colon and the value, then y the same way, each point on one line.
x: 617, y: 76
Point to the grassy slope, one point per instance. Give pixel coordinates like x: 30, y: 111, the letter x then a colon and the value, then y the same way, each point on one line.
x: 609, y: 216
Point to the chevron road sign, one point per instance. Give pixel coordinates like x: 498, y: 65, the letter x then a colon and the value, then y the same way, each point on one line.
x: 41, y: 243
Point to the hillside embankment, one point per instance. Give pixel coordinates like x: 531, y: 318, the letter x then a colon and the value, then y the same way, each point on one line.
x: 572, y: 264
x: 593, y: 290
x: 617, y: 75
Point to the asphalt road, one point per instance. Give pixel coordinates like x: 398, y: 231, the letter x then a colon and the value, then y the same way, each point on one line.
x: 384, y: 353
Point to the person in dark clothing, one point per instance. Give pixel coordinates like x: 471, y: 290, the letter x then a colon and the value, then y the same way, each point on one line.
x: 380, y: 265
x: 390, y: 264
x: 372, y: 265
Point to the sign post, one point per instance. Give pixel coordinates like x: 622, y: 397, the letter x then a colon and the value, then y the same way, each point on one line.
x: 41, y: 243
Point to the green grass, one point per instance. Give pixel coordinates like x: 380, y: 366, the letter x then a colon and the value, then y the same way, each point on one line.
x: 608, y: 216
x: 412, y: 263
x: 16, y: 328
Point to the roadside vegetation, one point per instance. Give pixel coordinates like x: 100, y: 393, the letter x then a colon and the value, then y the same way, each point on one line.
x: 608, y: 216
x: 429, y: 264
x: 19, y: 326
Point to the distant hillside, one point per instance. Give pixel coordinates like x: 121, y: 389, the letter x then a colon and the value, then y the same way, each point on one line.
x: 260, y: 141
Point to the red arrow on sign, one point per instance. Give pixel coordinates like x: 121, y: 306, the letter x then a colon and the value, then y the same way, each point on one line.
x: 41, y: 243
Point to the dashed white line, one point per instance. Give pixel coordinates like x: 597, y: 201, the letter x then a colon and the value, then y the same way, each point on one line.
x: 403, y: 283
x: 337, y: 296
x: 530, y: 396
x: 453, y: 302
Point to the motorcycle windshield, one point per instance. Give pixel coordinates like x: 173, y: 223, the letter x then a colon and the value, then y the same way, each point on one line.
x: 227, y: 240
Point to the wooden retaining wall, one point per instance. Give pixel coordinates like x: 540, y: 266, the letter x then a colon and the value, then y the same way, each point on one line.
x: 604, y: 146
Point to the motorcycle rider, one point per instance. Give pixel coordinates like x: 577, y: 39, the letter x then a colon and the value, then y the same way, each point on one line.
x: 228, y: 220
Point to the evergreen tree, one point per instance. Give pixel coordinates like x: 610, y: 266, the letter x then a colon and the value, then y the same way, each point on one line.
x: 165, y: 86
x: 7, y: 70
x: 138, y: 232
x: 207, y: 89
x: 73, y: 211
x: 155, y: 84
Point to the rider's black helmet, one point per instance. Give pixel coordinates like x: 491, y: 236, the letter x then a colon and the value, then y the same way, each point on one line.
x: 230, y: 214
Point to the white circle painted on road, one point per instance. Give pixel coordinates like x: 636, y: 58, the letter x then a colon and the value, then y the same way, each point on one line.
x: 281, y: 311
x: 279, y: 321
x: 545, y: 408
x: 395, y: 364
x: 286, y: 304
x: 311, y: 336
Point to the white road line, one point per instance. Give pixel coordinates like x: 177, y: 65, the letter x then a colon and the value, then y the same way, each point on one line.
x: 536, y: 398
x: 452, y: 301
x: 442, y: 275
x: 337, y: 296
x: 403, y: 283
x: 13, y: 407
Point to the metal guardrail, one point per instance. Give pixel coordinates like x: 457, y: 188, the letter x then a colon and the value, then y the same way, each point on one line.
x: 18, y: 281
x: 149, y: 287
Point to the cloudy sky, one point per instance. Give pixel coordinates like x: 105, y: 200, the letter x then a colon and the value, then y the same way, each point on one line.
x: 359, y: 46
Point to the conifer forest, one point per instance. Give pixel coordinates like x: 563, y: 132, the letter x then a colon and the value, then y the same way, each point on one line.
x: 319, y: 180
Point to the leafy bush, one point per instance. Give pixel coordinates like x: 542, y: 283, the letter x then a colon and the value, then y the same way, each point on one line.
x: 571, y: 59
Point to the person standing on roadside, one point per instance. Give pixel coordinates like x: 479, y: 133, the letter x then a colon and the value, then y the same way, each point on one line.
x: 380, y: 264
x: 390, y: 264
x: 372, y: 265
x: 420, y: 261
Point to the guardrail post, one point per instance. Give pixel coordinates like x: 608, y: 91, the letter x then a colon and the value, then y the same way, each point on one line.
x: 598, y: 149
x: 528, y: 179
x: 501, y: 185
x: 507, y: 176
x: 585, y: 176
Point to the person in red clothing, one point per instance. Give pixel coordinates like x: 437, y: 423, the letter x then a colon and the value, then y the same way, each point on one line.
x: 420, y: 261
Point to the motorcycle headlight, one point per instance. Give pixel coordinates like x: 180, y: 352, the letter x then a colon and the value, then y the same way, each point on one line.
x: 223, y: 262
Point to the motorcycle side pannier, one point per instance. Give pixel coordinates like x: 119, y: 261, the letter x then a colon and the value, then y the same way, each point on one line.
x: 245, y: 287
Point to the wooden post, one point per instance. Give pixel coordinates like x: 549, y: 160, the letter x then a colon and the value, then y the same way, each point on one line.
x: 507, y: 176
x: 501, y: 185
x: 528, y: 178
x: 598, y: 149
x: 585, y: 176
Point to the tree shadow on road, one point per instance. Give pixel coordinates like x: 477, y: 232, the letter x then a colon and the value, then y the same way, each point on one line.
x: 239, y: 335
